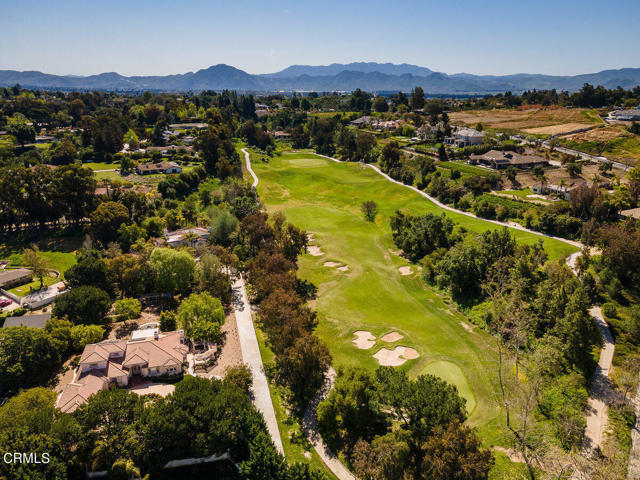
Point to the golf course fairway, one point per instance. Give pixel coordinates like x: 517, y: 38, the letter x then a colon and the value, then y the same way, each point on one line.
x: 371, y: 294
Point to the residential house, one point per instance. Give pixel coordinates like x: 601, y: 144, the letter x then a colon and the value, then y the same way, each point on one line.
x: 280, y: 135
x: 188, y: 126
x: 464, y: 137
x: 499, y: 160
x: 116, y: 362
x: 160, y: 167
x: 15, y: 277
x: 362, y: 121
x: 631, y: 213
x: 626, y: 115
x: 180, y: 237
x: 169, y: 149
x: 563, y: 191
x: 32, y: 321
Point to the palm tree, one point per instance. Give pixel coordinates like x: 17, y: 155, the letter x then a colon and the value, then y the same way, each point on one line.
x: 38, y: 264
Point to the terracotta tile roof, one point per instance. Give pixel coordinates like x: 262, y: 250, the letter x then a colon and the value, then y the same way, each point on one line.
x: 77, y: 393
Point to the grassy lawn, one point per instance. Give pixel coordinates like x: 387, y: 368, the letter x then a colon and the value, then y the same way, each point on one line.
x: 59, y: 261
x: 523, y: 193
x: 324, y: 198
x: 296, y: 448
x: 102, y: 165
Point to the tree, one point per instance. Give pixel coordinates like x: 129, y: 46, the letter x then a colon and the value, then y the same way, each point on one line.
x: 573, y: 169
x: 369, y: 210
x: 223, y: 225
x: 63, y: 152
x: 27, y: 357
x: 131, y: 139
x: 168, y: 321
x: 82, y: 335
x: 84, y: 305
x: 385, y: 458
x: 380, y: 104
x: 172, y: 270
x: 511, y: 173
x: 89, y: 271
x: 201, y: 315
x: 107, y: 218
x: 417, y: 98
x: 210, y: 276
x: 24, y: 133
x: 127, y: 309
x: 455, y: 453
x: 304, y: 366
x: 39, y: 265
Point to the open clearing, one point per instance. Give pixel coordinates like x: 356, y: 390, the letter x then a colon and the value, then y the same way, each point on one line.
x: 325, y: 199
x: 536, y: 119
x: 612, y: 141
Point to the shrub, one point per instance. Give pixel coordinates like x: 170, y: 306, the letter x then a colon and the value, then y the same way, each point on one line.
x: 127, y: 309
x: 609, y: 310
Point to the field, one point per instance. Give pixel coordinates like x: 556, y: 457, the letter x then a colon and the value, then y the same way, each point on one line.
x: 612, y: 141
x: 324, y: 198
x: 58, y: 261
x: 536, y: 120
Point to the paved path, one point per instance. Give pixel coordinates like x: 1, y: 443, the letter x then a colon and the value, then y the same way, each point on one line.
x: 247, y: 159
x: 310, y: 428
x: 600, y: 388
x: 251, y: 356
x: 633, y: 472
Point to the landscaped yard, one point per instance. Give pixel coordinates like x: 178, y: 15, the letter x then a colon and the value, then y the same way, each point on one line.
x: 324, y: 198
x: 59, y: 261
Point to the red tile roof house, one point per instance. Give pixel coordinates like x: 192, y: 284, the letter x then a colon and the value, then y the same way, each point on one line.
x: 115, y: 362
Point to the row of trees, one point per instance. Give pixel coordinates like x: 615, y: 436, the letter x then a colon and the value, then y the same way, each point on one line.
x: 131, y: 436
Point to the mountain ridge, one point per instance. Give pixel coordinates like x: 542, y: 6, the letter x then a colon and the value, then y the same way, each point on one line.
x: 334, y: 77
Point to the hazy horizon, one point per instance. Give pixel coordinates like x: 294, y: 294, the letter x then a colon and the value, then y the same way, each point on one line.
x: 159, y: 37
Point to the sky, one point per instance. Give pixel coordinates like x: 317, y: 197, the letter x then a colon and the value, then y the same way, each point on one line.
x: 160, y: 37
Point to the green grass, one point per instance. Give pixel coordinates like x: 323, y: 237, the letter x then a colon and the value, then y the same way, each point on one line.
x: 324, y: 198
x: 59, y: 261
x: 295, y: 451
x: 101, y: 165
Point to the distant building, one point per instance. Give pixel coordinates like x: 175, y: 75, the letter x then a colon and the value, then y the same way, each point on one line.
x: 188, y: 126
x: 362, y: 121
x: 116, y: 362
x: 625, y: 115
x: 499, y: 160
x: 169, y: 149
x: 33, y: 321
x: 464, y: 137
x: 13, y: 278
x: 178, y: 238
x: 160, y: 167
x: 563, y: 191
x: 280, y: 135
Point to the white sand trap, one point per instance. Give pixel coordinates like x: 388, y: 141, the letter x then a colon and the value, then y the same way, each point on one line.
x: 344, y: 268
x: 395, y: 357
x: 310, y: 237
x: 392, y: 337
x: 331, y: 264
x: 405, y: 270
x: 467, y: 327
x: 315, y: 250
x: 364, y: 340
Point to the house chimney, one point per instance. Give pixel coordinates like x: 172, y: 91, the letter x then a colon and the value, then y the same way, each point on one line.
x: 155, y: 334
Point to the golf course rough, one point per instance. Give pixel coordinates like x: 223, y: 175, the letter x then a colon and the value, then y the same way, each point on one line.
x: 324, y: 197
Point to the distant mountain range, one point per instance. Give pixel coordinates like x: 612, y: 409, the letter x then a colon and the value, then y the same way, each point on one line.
x: 373, y: 77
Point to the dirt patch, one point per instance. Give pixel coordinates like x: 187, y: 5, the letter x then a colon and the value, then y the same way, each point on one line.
x: 392, y: 337
x: 315, y: 251
x: 364, y: 340
x: 395, y: 357
x: 344, y: 268
x: 230, y: 352
x: 405, y: 270
x: 331, y: 264
x: 557, y: 129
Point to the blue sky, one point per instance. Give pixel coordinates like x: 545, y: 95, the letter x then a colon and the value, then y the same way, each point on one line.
x: 151, y: 37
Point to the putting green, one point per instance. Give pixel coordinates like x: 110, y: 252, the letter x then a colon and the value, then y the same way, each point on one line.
x: 450, y: 372
x: 324, y: 198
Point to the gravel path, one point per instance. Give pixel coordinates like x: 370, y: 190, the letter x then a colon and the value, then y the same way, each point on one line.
x: 251, y: 356
x: 310, y: 428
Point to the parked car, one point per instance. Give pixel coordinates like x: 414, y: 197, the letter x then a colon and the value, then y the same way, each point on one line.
x: 4, y: 302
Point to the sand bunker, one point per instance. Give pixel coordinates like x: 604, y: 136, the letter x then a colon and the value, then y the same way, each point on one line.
x: 315, y: 251
x: 344, y: 268
x: 310, y: 237
x: 395, y: 357
x: 331, y: 264
x: 392, y: 337
x: 405, y: 270
x: 364, y: 340
x: 466, y: 326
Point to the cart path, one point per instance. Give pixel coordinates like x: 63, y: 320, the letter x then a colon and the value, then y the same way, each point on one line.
x: 633, y: 472
x: 251, y: 356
